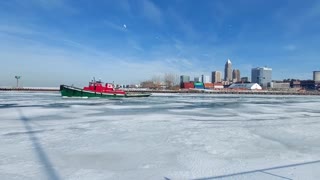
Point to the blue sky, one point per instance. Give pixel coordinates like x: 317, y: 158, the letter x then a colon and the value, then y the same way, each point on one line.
x: 50, y: 42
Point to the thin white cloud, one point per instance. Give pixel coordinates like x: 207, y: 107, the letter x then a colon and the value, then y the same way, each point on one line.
x: 58, y: 64
x: 135, y: 45
x: 183, y: 24
x: 124, y: 6
x: 62, y: 5
x: 12, y: 29
x: 152, y: 12
x: 56, y: 6
x: 220, y: 12
x: 293, y: 23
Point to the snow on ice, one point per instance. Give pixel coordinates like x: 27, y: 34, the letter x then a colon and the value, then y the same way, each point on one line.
x: 44, y: 136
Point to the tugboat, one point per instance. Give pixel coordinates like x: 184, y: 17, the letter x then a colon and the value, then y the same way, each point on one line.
x: 96, y: 89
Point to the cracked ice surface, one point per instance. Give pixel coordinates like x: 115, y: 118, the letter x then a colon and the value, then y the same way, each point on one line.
x: 173, y: 136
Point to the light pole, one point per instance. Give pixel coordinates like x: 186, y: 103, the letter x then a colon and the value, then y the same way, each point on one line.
x: 17, y: 77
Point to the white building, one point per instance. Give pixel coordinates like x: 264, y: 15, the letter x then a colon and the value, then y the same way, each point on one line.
x: 248, y: 86
x: 218, y: 86
x: 205, y: 79
x: 316, y: 76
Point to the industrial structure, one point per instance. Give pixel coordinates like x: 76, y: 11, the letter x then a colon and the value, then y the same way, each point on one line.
x: 17, y: 78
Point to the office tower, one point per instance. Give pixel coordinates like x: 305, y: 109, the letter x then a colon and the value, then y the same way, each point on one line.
x: 216, y: 76
x: 236, y: 75
x: 261, y: 75
x: 196, y: 79
x: 228, y: 71
x: 205, y: 79
x: 316, y: 76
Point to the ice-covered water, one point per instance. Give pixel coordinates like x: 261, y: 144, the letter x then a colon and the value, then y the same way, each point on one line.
x: 44, y: 136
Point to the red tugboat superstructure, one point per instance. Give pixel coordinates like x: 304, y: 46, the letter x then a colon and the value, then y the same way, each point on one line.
x: 97, y: 89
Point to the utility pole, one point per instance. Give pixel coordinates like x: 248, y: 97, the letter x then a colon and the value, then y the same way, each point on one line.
x: 17, y: 77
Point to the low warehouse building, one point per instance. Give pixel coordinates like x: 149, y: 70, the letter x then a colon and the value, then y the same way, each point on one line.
x: 217, y: 85
x: 245, y: 86
x: 280, y: 85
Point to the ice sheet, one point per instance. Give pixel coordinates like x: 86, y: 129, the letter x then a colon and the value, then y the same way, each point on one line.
x: 175, y: 136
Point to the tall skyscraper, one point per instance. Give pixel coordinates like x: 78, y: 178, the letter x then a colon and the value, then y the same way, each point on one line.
x: 216, y: 76
x: 205, y: 79
x: 228, y: 71
x: 261, y: 75
x: 236, y: 75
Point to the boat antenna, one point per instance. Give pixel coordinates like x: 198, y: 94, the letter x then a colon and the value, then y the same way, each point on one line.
x: 94, y: 79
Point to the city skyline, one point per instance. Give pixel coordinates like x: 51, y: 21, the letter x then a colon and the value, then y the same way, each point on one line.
x: 66, y: 42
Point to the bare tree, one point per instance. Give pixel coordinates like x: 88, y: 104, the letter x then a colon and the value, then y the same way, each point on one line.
x: 148, y: 84
x: 156, y: 79
x: 169, y: 80
x: 153, y: 83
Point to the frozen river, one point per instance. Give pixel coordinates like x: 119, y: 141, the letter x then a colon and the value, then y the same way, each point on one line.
x: 44, y: 136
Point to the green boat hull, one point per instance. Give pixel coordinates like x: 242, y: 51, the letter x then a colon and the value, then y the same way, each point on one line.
x: 68, y: 91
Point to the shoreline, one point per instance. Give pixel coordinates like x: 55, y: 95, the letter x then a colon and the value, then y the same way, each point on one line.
x: 30, y: 89
x: 240, y: 92
x: 193, y: 91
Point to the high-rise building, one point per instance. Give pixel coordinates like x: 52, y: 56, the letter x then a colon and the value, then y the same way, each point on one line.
x: 236, y: 75
x: 261, y: 75
x: 184, y: 79
x: 196, y: 79
x: 205, y: 79
x: 228, y: 71
x: 216, y: 77
x: 316, y: 76
x: 244, y: 79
